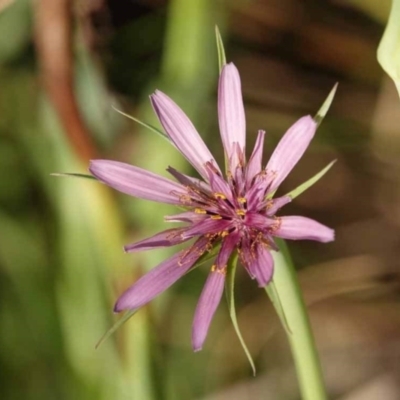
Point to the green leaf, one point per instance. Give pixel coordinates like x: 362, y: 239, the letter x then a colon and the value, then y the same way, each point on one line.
x: 389, y: 47
x: 73, y: 175
x: 326, y: 105
x: 148, y: 126
x: 306, y: 185
x: 128, y: 314
x: 276, y: 301
x: 220, y: 48
x: 229, y: 288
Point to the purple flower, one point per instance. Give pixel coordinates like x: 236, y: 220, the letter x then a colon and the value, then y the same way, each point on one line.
x: 236, y: 212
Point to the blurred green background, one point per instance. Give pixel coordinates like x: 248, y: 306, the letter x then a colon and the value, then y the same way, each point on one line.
x: 63, y: 65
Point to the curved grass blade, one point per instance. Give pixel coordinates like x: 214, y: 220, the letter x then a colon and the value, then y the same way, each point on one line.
x: 118, y: 324
x: 306, y: 185
x: 276, y: 301
x: 326, y: 105
x: 148, y: 126
x: 220, y: 48
x: 73, y: 175
x: 229, y: 288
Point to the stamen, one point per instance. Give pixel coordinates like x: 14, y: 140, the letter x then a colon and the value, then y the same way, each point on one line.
x: 220, y: 196
x: 242, y: 200
x: 241, y: 213
x: 269, y: 204
x: 276, y: 225
x: 185, y: 199
x: 216, y: 217
x: 221, y: 271
x: 224, y: 233
x: 200, y: 211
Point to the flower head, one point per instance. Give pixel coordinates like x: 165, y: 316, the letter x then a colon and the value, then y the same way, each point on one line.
x: 236, y: 212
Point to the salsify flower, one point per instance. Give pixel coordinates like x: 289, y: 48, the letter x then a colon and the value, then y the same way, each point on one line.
x: 236, y: 212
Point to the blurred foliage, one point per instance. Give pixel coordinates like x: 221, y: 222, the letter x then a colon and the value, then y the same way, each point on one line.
x: 61, y: 260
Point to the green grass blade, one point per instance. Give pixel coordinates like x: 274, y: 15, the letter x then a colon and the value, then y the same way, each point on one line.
x: 306, y: 185
x: 220, y: 48
x: 148, y: 126
x: 229, y: 287
x: 325, y: 106
x: 73, y: 175
x: 116, y: 326
x: 276, y: 301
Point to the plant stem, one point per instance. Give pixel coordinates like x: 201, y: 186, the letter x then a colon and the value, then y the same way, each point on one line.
x: 289, y: 304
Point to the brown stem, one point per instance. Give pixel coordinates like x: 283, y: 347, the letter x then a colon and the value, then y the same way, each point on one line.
x: 53, y: 36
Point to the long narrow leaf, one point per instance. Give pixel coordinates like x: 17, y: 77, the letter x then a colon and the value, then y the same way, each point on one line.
x: 325, y: 106
x: 276, y: 301
x: 148, y: 126
x: 306, y: 185
x: 114, y: 328
x: 73, y: 175
x: 229, y: 287
x: 220, y: 48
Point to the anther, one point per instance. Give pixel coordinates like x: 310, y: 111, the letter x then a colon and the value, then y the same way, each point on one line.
x: 221, y: 271
x: 220, y: 196
x: 241, y: 213
x: 216, y: 217
x: 242, y: 200
x: 200, y: 211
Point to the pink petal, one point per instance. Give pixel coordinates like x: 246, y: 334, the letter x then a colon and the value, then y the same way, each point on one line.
x: 300, y: 228
x: 160, y: 278
x: 207, y: 226
x: 232, y: 121
x: 212, y: 291
x: 289, y: 150
x: 228, y: 245
x: 189, y: 181
x: 262, y: 266
x: 255, y: 163
x: 209, y: 299
x: 218, y: 183
x: 258, y: 221
x: 169, y: 237
x: 274, y: 205
x: 136, y: 181
x: 188, y: 216
x: 182, y: 132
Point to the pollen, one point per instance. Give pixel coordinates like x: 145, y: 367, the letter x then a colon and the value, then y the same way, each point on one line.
x: 269, y: 204
x: 220, y: 196
x: 241, y: 213
x: 221, y: 271
x: 200, y: 211
x: 242, y: 200
x: 185, y: 199
x: 276, y: 225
